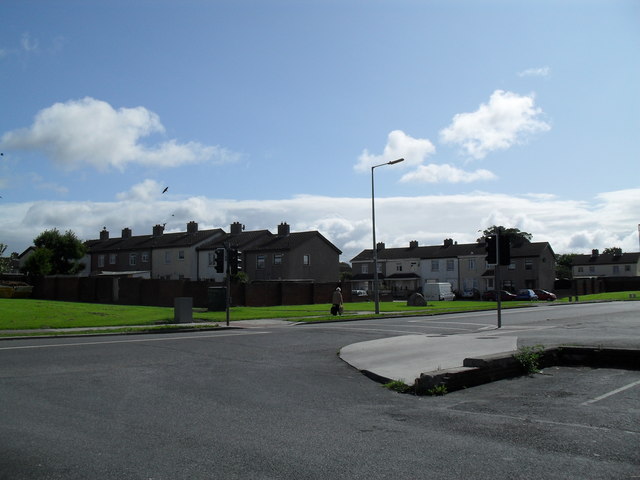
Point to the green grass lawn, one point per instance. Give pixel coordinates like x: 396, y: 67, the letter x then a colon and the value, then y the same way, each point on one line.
x: 19, y: 314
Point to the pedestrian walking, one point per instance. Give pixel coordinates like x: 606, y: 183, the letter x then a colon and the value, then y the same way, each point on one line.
x: 336, y: 301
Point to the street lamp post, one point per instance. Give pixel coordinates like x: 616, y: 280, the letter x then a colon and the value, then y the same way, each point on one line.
x: 376, y: 295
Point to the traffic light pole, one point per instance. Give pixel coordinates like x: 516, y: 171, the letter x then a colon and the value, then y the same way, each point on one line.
x: 227, y: 257
x: 498, y: 289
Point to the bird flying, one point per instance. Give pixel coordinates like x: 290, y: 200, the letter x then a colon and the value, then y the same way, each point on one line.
x: 165, y: 189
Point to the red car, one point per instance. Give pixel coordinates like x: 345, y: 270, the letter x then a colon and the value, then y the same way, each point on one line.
x: 491, y: 296
x: 545, y: 295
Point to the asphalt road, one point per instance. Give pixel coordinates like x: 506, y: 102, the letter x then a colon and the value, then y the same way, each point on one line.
x: 277, y: 402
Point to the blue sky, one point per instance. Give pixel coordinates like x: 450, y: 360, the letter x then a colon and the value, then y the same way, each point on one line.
x: 525, y: 114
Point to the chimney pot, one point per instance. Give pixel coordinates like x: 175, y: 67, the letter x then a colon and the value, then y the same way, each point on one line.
x: 192, y: 227
x: 158, y: 230
x: 236, y: 228
x: 284, y: 229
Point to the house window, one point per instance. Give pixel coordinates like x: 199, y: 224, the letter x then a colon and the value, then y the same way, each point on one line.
x: 580, y: 269
x: 112, y: 259
x: 450, y: 265
x: 277, y: 258
x: 365, y: 269
x: 627, y: 268
x: 144, y: 258
x: 472, y: 264
x: 133, y: 258
x: 435, y: 265
x: 616, y: 269
x: 167, y: 257
x: 528, y: 264
x: 211, y: 259
x: 512, y: 266
x: 260, y: 262
x: 180, y: 254
x: 100, y: 260
x: 592, y: 269
x: 306, y: 259
x: 398, y: 267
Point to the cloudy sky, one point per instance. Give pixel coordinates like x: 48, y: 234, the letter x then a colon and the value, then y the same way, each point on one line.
x: 524, y: 114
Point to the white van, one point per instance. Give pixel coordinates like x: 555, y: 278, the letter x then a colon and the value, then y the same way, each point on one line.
x: 438, y: 291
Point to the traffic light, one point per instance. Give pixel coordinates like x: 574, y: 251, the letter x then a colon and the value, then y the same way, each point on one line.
x: 235, y: 261
x: 219, y: 260
x: 504, y: 250
x: 502, y: 244
x: 491, y: 250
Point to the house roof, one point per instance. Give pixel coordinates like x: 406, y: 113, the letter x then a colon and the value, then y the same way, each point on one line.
x: 141, y: 242
x: 211, y: 239
x: 185, y: 239
x: 241, y: 241
x: 291, y: 241
x: 606, y: 259
x: 524, y: 249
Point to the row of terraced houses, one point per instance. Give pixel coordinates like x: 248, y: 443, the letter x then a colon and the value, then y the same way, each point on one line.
x: 288, y: 255
x: 191, y: 255
x: 309, y: 255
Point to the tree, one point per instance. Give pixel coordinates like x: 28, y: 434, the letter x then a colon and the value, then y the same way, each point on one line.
x: 515, y: 235
x: 55, y: 254
x: 7, y: 263
x: 612, y: 251
x: 4, y: 261
x: 564, y: 265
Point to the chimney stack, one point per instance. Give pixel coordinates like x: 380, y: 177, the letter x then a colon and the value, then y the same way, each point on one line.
x: 380, y: 246
x: 413, y: 244
x: 104, y: 234
x: 158, y: 230
x: 284, y: 229
x: 595, y: 252
x: 236, y: 228
x: 192, y: 227
x: 126, y: 233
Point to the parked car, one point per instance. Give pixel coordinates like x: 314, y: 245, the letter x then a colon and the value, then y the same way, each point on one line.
x: 491, y: 295
x: 544, y: 294
x: 472, y: 294
x: 359, y: 293
x: 526, y: 294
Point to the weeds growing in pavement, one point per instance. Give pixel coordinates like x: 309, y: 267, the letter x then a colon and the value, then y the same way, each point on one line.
x: 529, y: 358
x: 438, y: 390
x: 398, y: 386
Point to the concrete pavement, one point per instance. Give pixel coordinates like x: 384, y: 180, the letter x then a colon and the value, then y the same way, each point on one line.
x: 406, y: 357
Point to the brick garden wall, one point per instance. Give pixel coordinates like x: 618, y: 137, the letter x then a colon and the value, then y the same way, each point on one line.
x: 138, y: 291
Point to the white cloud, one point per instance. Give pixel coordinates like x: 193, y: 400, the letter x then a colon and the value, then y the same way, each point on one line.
x: 145, y: 191
x: 29, y: 44
x: 569, y: 226
x: 498, y: 125
x: 399, y: 145
x: 446, y: 174
x: 90, y: 132
x: 535, y: 72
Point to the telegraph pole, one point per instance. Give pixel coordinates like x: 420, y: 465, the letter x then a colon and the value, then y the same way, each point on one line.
x: 227, y: 264
x: 498, y: 289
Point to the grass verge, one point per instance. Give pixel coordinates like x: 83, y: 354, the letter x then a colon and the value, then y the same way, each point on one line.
x: 25, y: 314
